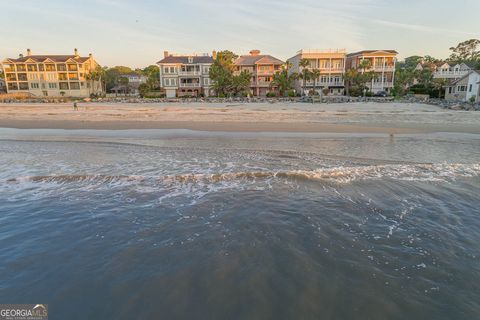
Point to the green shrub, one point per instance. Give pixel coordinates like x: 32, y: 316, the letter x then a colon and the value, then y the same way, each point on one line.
x: 291, y: 93
x: 271, y: 94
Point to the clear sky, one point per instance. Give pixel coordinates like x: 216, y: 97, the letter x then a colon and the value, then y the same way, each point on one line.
x: 136, y: 32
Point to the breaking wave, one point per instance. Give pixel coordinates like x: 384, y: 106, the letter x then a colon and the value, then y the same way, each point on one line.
x: 406, y: 172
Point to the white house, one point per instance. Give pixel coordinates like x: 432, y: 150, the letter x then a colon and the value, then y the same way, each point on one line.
x: 464, y: 88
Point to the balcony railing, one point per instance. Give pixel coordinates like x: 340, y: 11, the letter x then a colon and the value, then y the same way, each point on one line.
x: 189, y: 73
x: 386, y: 84
x: 450, y: 74
x: 383, y: 68
x: 325, y: 84
x: 189, y: 85
x: 263, y: 83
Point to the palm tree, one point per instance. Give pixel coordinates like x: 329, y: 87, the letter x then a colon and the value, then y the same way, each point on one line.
x: 304, y: 75
x: 315, y: 74
x: 283, y: 81
x: 349, y: 77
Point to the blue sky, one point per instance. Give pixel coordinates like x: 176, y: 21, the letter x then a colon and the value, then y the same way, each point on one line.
x: 135, y: 33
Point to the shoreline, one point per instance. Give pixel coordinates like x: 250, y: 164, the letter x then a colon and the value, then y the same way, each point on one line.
x: 289, y: 127
x: 387, y: 118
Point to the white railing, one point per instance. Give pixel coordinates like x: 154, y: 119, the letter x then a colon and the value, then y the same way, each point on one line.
x: 189, y: 85
x: 448, y: 74
x: 189, y: 73
x: 383, y: 68
x: 325, y: 84
x: 386, y: 84
x: 312, y: 51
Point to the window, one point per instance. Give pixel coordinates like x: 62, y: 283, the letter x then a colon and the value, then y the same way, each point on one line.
x: 32, y: 67
x: 50, y: 67
x: 190, y: 59
x: 206, y: 69
x: 63, y: 85
x: 12, y: 86
x: 470, y: 88
x: 170, y: 82
x: 61, y: 67
x: 450, y: 90
x: 52, y: 86
x: 206, y: 81
x: 34, y: 85
x: 23, y: 85
x: 74, y: 86
x: 62, y: 76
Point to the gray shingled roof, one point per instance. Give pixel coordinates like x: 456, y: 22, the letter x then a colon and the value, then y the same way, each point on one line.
x: 55, y: 58
x: 184, y: 59
x: 249, y: 60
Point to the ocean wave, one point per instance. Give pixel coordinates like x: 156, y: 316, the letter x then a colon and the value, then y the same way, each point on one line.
x: 406, y: 172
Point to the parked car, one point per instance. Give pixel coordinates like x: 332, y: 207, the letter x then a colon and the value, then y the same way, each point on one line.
x: 382, y: 94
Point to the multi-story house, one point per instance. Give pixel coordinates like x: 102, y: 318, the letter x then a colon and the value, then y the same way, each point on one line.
x: 186, y: 75
x: 382, y: 62
x: 464, y: 88
x: 51, y: 75
x: 329, y: 63
x: 451, y: 71
x: 134, y: 81
x: 262, y: 68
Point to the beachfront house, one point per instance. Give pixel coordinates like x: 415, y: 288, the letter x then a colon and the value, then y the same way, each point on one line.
x: 382, y: 62
x: 51, y: 75
x: 451, y: 70
x: 131, y: 86
x: 186, y: 75
x: 465, y: 88
x: 331, y: 67
x: 261, y: 67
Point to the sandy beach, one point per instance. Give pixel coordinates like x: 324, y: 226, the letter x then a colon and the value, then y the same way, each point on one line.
x: 277, y: 117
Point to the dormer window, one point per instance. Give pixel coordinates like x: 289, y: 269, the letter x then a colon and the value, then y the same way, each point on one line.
x: 190, y: 59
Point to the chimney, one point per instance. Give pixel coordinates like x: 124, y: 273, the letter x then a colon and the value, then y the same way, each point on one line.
x: 165, y: 54
x: 90, y: 55
x: 29, y: 52
x: 75, y: 52
x: 255, y: 52
x: 214, y: 55
x: 20, y: 55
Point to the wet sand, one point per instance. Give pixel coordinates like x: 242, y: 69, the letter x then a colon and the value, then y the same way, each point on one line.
x: 266, y: 117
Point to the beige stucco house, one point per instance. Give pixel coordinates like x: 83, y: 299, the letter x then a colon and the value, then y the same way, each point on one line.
x: 51, y: 75
x: 261, y: 68
x: 330, y: 64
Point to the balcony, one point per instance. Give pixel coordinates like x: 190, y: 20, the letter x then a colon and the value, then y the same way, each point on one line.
x: 325, y: 84
x: 266, y: 72
x: 386, y: 84
x: 381, y: 68
x: 450, y: 74
x: 190, y: 73
x: 190, y: 85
